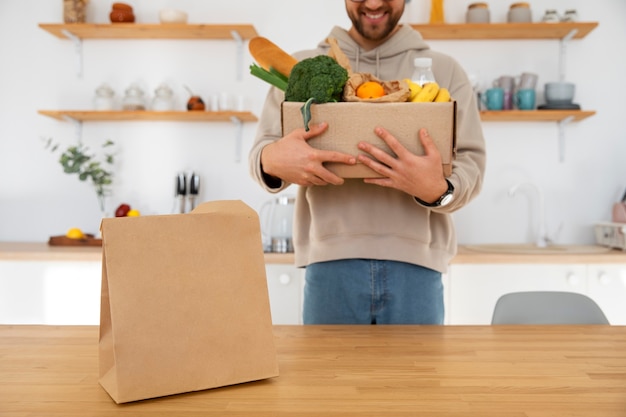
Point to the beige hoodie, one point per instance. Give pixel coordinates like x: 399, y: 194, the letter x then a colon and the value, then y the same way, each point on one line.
x: 358, y: 220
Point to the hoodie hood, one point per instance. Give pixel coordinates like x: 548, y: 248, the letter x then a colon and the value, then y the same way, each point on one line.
x: 395, y: 48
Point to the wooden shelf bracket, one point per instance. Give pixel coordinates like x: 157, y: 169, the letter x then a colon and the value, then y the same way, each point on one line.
x: 78, y: 127
x: 563, y: 46
x: 562, y: 125
x: 78, y: 48
x: 239, y: 41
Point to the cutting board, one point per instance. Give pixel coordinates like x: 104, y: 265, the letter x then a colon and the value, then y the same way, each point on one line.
x: 62, y: 240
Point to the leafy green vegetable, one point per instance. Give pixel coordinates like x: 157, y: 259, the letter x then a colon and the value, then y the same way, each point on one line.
x: 319, y: 79
x: 272, y: 76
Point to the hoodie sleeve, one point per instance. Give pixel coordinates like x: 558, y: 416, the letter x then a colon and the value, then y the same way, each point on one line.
x: 269, y: 130
x: 468, y: 168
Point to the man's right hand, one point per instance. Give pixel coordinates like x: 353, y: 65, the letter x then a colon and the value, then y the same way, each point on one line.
x: 293, y: 160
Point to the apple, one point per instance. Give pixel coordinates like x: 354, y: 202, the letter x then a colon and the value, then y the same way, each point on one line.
x: 122, y: 210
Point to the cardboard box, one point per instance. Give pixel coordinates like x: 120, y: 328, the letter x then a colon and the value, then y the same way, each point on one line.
x: 185, y: 305
x: 349, y: 123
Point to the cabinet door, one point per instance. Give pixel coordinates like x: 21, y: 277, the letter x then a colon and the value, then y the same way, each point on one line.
x: 607, y: 286
x: 474, y: 289
x: 285, y: 284
x: 62, y: 293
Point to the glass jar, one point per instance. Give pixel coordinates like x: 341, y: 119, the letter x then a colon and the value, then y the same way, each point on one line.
x: 74, y: 11
x: 570, y: 16
x: 551, y: 16
x: 163, y: 98
x: 104, y: 99
x: 134, y: 98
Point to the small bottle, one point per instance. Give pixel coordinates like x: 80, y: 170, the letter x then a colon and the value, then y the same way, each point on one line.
x: 423, y: 73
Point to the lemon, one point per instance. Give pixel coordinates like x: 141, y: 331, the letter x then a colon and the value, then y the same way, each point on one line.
x: 75, y: 233
x: 133, y: 213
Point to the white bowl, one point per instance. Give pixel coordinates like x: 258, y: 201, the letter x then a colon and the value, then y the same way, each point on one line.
x: 559, y: 92
x: 172, y: 16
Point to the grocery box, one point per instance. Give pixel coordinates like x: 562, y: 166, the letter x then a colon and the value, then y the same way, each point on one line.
x: 349, y: 123
x: 611, y: 235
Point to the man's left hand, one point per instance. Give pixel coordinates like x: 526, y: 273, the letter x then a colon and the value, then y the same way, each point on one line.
x: 418, y: 175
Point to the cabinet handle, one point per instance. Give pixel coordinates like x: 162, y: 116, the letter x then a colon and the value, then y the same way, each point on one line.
x: 604, y: 278
x: 284, y: 279
x: 572, y: 279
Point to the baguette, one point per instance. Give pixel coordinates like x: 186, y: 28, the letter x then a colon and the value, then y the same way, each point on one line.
x: 269, y: 55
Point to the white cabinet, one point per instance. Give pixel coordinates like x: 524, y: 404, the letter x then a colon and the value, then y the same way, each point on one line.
x: 285, y: 284
x: 50, y: 292
x: 607, y: 286
x: 60, y: 292
x: 475, y: 288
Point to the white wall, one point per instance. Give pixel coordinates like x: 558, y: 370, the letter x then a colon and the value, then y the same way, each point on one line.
x: 38, y: 72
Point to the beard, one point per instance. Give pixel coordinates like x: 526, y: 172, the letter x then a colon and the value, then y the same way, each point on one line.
x: 375, y: 32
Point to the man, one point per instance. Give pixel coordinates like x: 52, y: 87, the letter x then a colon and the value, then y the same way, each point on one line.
x: 374, y: 249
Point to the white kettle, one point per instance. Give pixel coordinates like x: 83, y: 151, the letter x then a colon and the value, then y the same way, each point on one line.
x: 277, y: 224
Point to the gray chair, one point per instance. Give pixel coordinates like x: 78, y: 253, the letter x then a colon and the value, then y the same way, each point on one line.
x: 547, y: 307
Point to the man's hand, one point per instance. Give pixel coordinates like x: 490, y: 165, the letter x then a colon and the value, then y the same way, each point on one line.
x: 293, y: 160
x: 419, y: 176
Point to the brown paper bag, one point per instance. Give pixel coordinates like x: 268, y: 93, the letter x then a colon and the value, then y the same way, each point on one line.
x: 185, y: 304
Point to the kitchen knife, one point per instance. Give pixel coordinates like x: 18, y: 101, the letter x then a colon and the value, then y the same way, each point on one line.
x: 181, y: 191
x: 194, y: 189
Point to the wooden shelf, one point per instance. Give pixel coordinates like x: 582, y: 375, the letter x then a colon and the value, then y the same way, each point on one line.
x: 177, y: 116
x: 534, y: 115
x: 149, y: 31
x: 473, y: 31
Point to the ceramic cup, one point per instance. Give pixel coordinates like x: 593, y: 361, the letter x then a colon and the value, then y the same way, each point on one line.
x: 494, y: 98
x: 519, y: 13
x: 477, y: 13
x: 527, y: 80
x: 525, y: 99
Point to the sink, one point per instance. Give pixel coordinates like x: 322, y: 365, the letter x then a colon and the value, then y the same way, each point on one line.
x: 530, y: 249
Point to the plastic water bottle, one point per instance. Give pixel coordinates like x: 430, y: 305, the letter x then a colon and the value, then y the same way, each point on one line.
x: 423, y: 73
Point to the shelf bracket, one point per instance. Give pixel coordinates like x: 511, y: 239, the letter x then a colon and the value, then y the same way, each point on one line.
x: 238, y: 138
x: 78, y: 48
x: 239, y: 40
x: 78, y: 127
x: 563, y: 44
x: 562, y: 124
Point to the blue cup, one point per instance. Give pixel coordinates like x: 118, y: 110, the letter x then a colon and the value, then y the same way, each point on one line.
x: 525, y: 99
x: 494, y: 98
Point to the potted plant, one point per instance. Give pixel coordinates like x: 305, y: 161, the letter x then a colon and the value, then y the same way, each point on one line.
x: 78, y: 159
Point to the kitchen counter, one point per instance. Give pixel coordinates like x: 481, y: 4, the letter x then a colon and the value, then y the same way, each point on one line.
x: 39, y: 251
x: 474, y: 371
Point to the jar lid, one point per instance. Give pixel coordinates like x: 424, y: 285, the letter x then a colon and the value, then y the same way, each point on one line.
x: 478, y: 6
x: 520, y: 4
x: 423, y: 62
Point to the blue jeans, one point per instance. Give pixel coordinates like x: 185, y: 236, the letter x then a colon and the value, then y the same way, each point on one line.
x: 364, y: 291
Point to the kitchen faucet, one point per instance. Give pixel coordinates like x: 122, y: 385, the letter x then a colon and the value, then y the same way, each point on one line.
x: 541, y: 239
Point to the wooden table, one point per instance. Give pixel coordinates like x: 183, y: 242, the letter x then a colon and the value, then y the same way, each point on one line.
x: 435, y: 371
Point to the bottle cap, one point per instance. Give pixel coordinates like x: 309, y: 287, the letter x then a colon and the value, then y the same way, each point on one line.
x: 423, y: 62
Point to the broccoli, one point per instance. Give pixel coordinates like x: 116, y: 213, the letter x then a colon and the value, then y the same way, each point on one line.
x: 315, y: 80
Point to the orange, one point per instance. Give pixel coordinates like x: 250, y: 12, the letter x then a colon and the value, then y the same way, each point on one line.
x: 370, y: 89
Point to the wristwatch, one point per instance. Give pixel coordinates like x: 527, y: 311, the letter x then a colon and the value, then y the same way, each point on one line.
x: 444, y: 200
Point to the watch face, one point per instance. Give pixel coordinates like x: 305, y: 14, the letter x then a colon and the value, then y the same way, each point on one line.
x: 446, y: 199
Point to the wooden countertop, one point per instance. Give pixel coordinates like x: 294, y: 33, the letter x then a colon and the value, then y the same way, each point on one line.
x: 39, y: 251
x: 469, y: 371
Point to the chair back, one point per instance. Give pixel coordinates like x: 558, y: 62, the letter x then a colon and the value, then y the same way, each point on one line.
x: 547, y: 307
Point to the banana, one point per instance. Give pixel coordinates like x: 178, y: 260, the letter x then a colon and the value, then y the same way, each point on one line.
x: 414, y: 88
x: 443, y: 96
x: 428, y: 93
